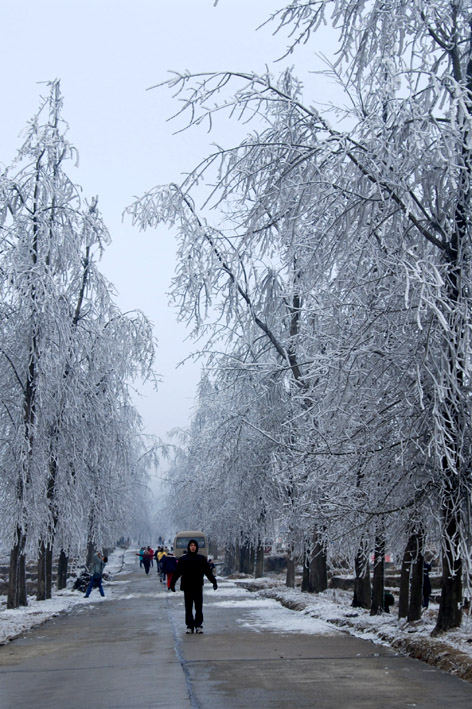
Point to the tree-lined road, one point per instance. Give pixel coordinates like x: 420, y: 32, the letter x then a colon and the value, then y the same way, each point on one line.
x: 131, y: 651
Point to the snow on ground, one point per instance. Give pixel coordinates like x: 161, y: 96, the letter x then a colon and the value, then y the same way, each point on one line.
x: 14, y: 623
x: 272, y: 606
x: 334, y: 606
x: 450, y: 651
x: 231, y: 590
x: 282, y: 620
x: 267, y: 613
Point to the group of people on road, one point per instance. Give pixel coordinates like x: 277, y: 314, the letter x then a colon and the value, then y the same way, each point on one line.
x: 161, y: 554
x: 191, y: 569
x: 168, y: 568
x: 146, y: 558
x: 166, y: 562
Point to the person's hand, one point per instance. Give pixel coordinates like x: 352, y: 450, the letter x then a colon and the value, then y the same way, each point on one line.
x: 215, y: 586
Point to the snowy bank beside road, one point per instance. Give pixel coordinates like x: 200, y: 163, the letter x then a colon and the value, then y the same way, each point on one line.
x: 451, y: 652
x: 14, y: 623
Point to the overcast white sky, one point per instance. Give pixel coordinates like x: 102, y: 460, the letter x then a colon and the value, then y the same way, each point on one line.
x: 107, y: 53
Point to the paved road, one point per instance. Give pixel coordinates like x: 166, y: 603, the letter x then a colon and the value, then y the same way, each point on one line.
x: 130, y: 651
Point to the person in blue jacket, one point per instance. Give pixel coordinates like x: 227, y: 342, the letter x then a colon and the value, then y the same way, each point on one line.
x: 98, y: 565
x: 169, y: 565
x: 192, y: 567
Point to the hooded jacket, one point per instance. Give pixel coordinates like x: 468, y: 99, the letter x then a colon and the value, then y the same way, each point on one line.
x: 169, y: 563
x: 192, y: 567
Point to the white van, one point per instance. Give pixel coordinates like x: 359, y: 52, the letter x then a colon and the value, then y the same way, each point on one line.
x: 182, y: 539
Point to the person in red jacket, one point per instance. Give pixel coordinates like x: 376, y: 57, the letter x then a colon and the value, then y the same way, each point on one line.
x: 147, y: 559
x: 169, y: 565
x: 192, y: 567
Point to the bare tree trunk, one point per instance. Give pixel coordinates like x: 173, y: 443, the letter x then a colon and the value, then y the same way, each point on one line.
x: 44, y: 588
x: 318, y: 564
x: 416, y: 594
x: 247, y: 558
x: 378, y: 586
x: 49, y: 572
x: 404, y: 599
x: 46, y: 548
x: 416, y: 575
x: 306, y: 573
x: 243, y: 550
x: 237, y: 557
x: 22, y: 590
x: 42, y: 573
x: 230, y: 559
x: 362, y: 586
x: 62, y: 571
x: 259, y: 571
x: 213, y: 549
x: 290, y: 576
x: 252, y: 560
x: 17, y: 595
x: 450, y: 612
x: 90, y: 554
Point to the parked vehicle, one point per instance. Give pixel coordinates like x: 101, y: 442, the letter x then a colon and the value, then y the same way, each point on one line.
x: 182, y: 539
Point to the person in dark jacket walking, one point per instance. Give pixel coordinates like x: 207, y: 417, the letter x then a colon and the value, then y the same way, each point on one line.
x: 169, y: 565
x: 192, y: 567
x: 147, y: 556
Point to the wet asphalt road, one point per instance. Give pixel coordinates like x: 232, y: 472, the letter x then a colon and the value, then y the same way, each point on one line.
x: 130, y: 651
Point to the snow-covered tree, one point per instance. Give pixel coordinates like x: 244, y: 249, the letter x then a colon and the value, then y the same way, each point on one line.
x: 68, y: 354
x: 366, y: 226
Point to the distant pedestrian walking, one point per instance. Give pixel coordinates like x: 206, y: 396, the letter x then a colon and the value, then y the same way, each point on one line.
x: 98, y: 565
x: 160, y: 557
x: 169, y: 565
x: 147, y: 556
x: 192, y: 566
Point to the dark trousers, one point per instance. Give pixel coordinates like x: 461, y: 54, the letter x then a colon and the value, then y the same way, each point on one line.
x: 193, y: 596
x: 94, y: 583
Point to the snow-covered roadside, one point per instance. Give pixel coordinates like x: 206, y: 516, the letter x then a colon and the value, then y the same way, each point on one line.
x: 14, y: 623
x: 451, y: 652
